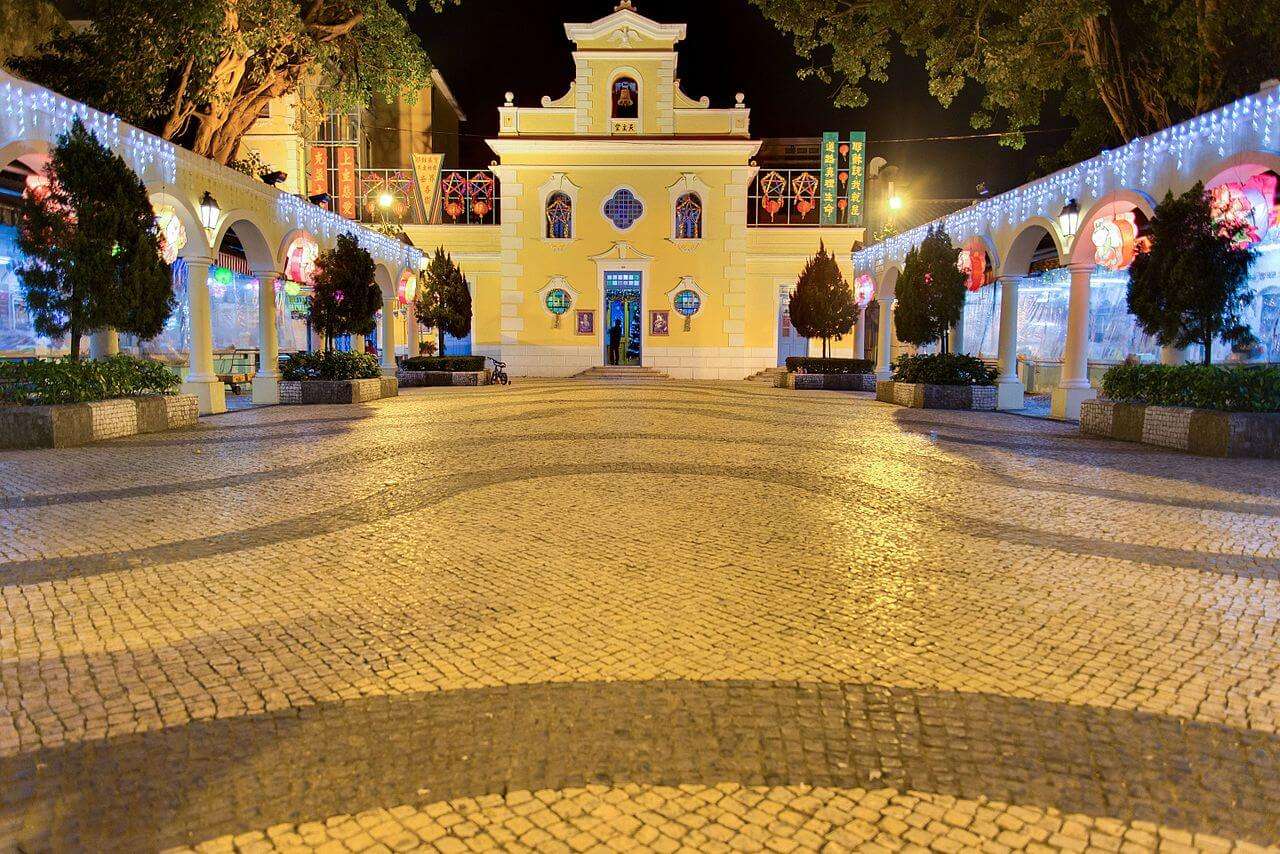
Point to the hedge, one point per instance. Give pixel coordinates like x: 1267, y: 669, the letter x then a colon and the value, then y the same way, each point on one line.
x: 1235, y: 389
x: 818, y: 365
x: 52, y: 381
x: 943, y: 369
x: 444, y: 363
x: 331, y: 366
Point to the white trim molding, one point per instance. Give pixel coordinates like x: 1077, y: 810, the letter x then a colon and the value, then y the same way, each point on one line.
x: 687, y: 183
x: 558, y: 183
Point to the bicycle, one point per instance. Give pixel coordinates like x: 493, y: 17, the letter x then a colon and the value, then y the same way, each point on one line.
x: 500, y: 372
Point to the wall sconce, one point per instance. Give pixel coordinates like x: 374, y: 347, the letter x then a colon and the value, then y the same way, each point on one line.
x: 209, y: 212
x: 1069, y: 219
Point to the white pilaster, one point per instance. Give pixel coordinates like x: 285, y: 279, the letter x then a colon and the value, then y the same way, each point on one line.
x: 357, y: 343
x: 201, y: 379
x: 1009, y: 389
x: 1074, y: 386
x: 388, y: 337
x: 266, y: 382
x: 884, y: 351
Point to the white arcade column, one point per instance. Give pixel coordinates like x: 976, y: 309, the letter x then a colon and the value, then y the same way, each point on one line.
x: 860, y: 334
x: 389, y: 337
x: 103, y: 343
x: 266, y: 382
x: 202, y: 381
x: 1009, y: 389
x: 884, y: 350
x: 1074, y: 388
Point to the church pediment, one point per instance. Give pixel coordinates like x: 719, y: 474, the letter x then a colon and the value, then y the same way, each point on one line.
x: 625, y: 29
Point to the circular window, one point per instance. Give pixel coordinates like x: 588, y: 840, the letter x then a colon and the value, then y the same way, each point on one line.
x: 558, y: 301
x: 688, y: 302
x: 623, y: 209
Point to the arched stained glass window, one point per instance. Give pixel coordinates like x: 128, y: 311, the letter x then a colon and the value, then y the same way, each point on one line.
x: 559, y: 216
x: 626, y: 98
x: 689, y: 217
x: 623, y: 209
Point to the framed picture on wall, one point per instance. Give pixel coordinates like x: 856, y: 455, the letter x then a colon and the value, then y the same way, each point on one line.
x: 586, y: 322
x: 660, y: 322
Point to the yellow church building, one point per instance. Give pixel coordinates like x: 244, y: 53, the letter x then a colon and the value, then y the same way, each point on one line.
x: 623, y: 205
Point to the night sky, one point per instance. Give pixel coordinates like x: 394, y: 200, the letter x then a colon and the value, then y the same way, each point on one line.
x: 487, y: 47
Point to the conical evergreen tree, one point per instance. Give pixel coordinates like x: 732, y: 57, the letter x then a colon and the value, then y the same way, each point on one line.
x: 930, y: 291
x: 345, y: 297
x: 1194, y: 283
x: 91, y: 247
x: 444, y: 298
x: 822, y: 305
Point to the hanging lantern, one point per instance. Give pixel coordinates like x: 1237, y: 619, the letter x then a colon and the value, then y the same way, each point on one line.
x: 1245, y: 211
x: 173, y: 235
x: 773, y: 187
x: 300, y: 259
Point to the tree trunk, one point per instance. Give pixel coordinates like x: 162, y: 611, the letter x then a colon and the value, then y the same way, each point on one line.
x: 74, y: 332
x: 1208, y: 350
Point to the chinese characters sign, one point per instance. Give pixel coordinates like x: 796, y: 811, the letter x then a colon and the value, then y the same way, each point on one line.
x: 346, y: 181
x: 843, y: 178
x: 318, y: 170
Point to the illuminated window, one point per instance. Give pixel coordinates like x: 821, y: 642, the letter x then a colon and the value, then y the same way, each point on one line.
x: 687, y: 302
x: 559, y: 216
x: 623, y: 209
x: 558, y: 301
x: 689, y: 217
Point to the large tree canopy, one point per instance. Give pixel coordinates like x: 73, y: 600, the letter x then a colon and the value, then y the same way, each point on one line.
x: 199, y: 73
x: 1121, y: 68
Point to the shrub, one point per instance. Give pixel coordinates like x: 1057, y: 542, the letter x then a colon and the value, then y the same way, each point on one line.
x: 52, y: 381
x: 943, y: 369
x: 331, y: 365
x: 816, y: 365
x: 1237, y: 389
x: 444, y: 363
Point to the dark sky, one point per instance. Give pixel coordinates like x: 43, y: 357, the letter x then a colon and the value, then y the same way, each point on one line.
x: 487, y: 47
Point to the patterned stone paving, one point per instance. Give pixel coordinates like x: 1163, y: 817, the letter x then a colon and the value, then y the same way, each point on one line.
x: 565, y: 616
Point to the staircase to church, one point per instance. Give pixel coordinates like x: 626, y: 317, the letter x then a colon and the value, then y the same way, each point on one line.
x: 769, y: 376
x: 622, y: 373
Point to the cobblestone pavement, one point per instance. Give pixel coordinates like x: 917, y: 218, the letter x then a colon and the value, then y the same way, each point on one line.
x: 563, y: 616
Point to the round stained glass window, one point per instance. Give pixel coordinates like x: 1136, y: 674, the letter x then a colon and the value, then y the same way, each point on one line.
x: 558, y: 301
x: 623, y: 209
x: 688, y: 302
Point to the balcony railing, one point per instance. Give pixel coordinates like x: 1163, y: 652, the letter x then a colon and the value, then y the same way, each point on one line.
x: 785, y: 197
x: 391, y: 197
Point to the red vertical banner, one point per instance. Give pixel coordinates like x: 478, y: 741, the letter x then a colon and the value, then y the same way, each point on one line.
x: 346, y: 181
x: 317, y: 170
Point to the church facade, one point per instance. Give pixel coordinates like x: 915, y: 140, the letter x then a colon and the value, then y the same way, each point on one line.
x: 623, y: 211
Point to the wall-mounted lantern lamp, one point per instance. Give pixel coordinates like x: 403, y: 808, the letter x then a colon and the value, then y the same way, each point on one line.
x: 1069, y: 219
x: 209, y: 212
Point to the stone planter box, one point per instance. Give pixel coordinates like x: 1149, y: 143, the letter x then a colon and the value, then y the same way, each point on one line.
x: 421, y: 379
x: 337, y: 391
x: 1206, y: 432
x: 831, y: 382
x: 68, y: 424
x: 928, y: 396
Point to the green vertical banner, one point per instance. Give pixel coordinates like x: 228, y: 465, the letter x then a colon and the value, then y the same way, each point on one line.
x: 857, y: 177
x: 830, y: 193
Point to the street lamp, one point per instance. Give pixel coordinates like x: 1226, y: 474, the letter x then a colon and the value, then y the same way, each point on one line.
x: 895, y: 203
x: 1069, y: 219
x: 209, y: 212
x: 386, y: 200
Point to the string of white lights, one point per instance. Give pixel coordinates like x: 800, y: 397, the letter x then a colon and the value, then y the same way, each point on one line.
x: 1249, y: 124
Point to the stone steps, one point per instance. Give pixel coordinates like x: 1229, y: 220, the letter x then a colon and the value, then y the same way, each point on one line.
x: 622, y: 372
x: 769, y: 376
